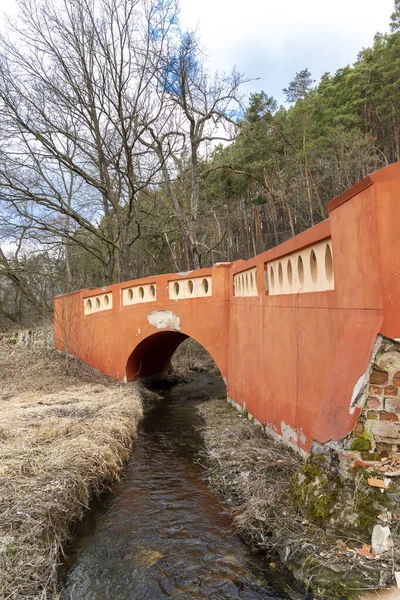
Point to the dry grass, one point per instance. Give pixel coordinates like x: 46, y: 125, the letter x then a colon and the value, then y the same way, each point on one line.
x: 63, y: 438
x: 255, y: 474
x: 191, y: 356
x: 251, y: 471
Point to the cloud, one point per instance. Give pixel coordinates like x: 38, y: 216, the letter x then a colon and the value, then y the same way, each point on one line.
x: 273, y: 40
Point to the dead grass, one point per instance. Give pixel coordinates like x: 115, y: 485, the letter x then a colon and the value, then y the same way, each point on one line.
x: 251, y: 471
x: 191, y: 356
x: 63, y: 438
x: 255, y: 474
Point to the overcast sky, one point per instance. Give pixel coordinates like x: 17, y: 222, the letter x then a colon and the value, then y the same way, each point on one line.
x: 274, y: 39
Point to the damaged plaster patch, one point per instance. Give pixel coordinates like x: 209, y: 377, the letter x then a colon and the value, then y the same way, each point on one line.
x: 291, y: 435
x: 288, y: 433
x: 303, y: 437
x: 161, y: 319
x: 360, y: 391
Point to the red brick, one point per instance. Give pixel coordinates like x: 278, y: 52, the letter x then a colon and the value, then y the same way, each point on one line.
x: 396, y: 375
x: 385, y: 416
x: 373, y: 402
x: 375, y: 390
x: 378, y: 377
x: 396, y: 381
x: 390, y: 391
x: 392, y: 405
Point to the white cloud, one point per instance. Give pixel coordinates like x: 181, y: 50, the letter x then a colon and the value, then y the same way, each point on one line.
x: 273, y: 40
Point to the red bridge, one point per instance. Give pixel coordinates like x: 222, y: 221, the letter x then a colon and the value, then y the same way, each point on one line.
x: 299, y: 332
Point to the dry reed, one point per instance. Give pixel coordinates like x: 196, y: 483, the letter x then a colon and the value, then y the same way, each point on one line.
x: 63, y: 438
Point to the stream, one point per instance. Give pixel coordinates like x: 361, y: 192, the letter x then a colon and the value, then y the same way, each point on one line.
x: 161, y: 532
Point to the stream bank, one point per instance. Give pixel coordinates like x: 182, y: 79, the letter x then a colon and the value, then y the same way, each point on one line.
x: 162, y: 532
x: 64, y: 437
x: 315, y: 517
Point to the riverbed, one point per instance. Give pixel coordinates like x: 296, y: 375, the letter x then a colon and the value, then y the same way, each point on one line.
x: 161, y: 532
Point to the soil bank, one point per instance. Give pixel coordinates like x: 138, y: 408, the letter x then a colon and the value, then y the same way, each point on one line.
x: 64, y: 437
x: 316, y: 518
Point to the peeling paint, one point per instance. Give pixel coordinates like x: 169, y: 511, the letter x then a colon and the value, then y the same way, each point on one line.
x: 288, y: 433
x: 303, y: 437
x: 183, y: 273
x: 270, y: 431
x: 359, y: 394
x: 271, y: 425
x: 161, y: 319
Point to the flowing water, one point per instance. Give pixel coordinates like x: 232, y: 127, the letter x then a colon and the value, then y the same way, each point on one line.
x: 162, y: 533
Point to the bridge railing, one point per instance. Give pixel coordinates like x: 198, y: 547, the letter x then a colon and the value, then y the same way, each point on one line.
x: 302, y: 264
x: 348, y: 261
x: 200, y: 285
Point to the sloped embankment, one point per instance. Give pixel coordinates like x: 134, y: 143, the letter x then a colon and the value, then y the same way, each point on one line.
x: 63, y: 438
x: 316, y: 518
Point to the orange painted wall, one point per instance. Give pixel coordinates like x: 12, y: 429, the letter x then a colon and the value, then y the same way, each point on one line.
x: 293, y: 359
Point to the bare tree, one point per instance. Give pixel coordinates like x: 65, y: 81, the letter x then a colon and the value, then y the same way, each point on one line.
x: 78, y: 96
x: 205, y: 111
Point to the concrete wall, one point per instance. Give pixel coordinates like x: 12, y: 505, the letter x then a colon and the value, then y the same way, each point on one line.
x: 292, y: 330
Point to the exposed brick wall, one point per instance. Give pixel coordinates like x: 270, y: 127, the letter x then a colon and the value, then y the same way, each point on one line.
x: 378, y: 429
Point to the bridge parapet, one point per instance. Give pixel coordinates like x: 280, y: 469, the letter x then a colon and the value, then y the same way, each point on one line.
x: 192, y: 287
x: 245, y: 283
x: 147, y: 292
x: 307, y: 270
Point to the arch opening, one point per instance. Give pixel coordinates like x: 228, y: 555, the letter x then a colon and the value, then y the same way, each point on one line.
x: 313, y: 267
x: 280, y: 274
x: 152, y: 357
x: 300, y: 270
x: 328, y: 263
x: 290, y: 272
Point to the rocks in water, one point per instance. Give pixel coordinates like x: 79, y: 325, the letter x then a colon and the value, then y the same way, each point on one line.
x: 147, y: 558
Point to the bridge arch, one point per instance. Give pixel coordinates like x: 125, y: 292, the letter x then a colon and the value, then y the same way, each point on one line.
x: 152, y: 355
